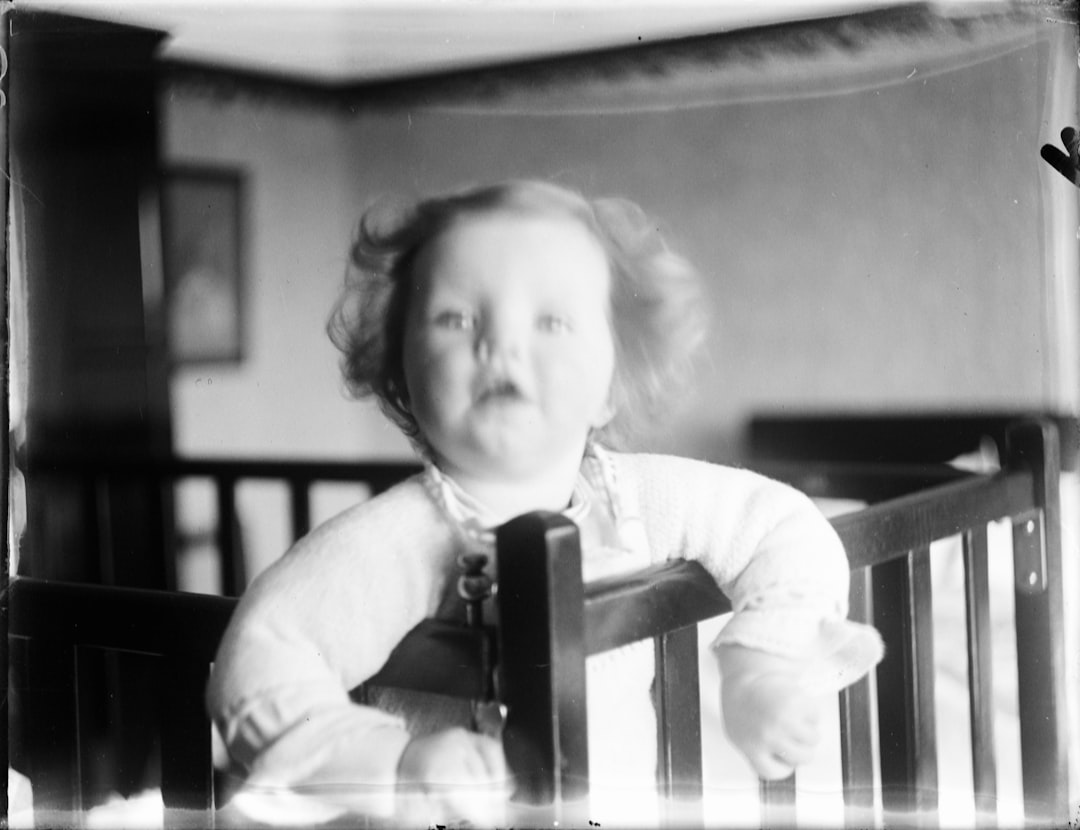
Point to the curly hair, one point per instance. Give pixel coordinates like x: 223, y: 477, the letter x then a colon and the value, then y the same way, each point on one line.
x: 656, y: 311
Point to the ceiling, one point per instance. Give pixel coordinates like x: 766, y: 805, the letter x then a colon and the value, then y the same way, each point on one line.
x: 372, y: 40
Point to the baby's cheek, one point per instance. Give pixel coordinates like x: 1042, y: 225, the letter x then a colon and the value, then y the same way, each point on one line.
x: 569, y: 379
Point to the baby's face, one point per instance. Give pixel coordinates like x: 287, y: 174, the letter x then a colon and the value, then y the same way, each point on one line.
x: 508, y: 353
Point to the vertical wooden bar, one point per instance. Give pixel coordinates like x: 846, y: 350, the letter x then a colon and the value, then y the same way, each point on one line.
x: 51, y: 705
x: 856, y: 724
x: 890, y: 598
x: 1040, y: 642
x: 902, y: 613
x: 13, y: 654
x: 300, y: 503
x: 92, y: 555
x: 541, y: 607
x: 233, y: 576
x: 163, y: 483
x: 922, y: 657
x: 678, y: 725
x: 187, y: 786
x: 103, y: 527
x: 980, y: 676
x: 16, y: 731
x: 777, y: 802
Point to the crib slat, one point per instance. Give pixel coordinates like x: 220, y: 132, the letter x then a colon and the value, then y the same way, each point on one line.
x: 902, y: 613
x: 922, y: 657
x: 980, y: 675
x: 186, y: 755
x: 96, y: 552
x: 777, y: 800
x: 542, y: 664
x: 678, y: 722
x: 101, y: 499
x: 166, y: 498
x: 14, y: 658
x: 1039, y: 629
x: 233, y: 577
x: 51, y: 703
x: 856, y: 729
x: 300, y: 503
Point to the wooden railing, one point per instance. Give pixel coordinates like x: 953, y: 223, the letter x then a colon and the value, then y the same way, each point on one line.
x: 54, y: 627
x: 889, y: 548
x: 550, y: 622
x: 97, y: 476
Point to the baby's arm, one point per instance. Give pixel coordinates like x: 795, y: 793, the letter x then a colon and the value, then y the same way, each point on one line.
x: 769, y: 713
x: 302, y: 734
x: 772, y: 703
x: 779, y: 561
x: 281, y: 706
x: 788, y: 647
x: 316, y: 624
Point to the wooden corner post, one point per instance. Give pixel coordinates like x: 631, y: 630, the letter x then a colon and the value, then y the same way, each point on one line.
x: 1040, y: 632
x: 541, y: 673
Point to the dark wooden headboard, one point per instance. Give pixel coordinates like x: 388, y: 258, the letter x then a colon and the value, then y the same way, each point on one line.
x: 894, y: 438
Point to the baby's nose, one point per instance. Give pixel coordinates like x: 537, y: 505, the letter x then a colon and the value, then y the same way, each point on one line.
x: 500, y: 340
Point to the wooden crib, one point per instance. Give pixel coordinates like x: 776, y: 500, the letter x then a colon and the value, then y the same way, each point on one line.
x: 550, y: 622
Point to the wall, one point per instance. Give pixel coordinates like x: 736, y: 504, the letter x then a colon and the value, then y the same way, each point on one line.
x: 873, y: 250
x: 285, y: 398
x: 881, y: 249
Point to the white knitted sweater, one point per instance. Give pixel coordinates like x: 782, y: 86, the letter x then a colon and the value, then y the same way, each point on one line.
x: 325, y: 617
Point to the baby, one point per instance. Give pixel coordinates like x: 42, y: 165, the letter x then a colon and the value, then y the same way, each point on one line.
x: 518, y: 333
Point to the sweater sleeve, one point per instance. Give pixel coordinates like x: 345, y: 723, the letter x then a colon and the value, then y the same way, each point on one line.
x: 772, y: 552
x: 317, y: 623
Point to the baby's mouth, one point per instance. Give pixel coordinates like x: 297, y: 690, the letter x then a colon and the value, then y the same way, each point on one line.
x: 500, y: 390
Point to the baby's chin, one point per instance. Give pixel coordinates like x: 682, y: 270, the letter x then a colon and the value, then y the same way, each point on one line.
x: 505, y: 425
x: 514, y: 456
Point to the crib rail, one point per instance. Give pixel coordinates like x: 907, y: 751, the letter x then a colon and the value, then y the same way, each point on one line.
x: 98, y: 477
x: 550, y: 622
x: 889, y: 547
x: 545, y: 638
x: 54, y: 627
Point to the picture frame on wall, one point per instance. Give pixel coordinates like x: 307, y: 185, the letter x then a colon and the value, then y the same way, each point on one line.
x: 202, y: 218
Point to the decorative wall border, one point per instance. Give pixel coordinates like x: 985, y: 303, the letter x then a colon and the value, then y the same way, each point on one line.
x: 778, y: 61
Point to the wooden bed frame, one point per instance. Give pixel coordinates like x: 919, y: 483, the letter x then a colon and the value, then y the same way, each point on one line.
x: 550, y: 622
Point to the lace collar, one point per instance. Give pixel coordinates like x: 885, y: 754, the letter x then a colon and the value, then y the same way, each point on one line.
x: 477, y: 523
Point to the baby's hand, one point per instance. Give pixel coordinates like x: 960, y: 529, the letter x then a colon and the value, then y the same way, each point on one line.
x: 459, y: 776
x: 769, y: 713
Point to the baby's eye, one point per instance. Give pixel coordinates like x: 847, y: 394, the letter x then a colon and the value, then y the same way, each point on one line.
x: 554, y: 324
x: 455, y: 320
